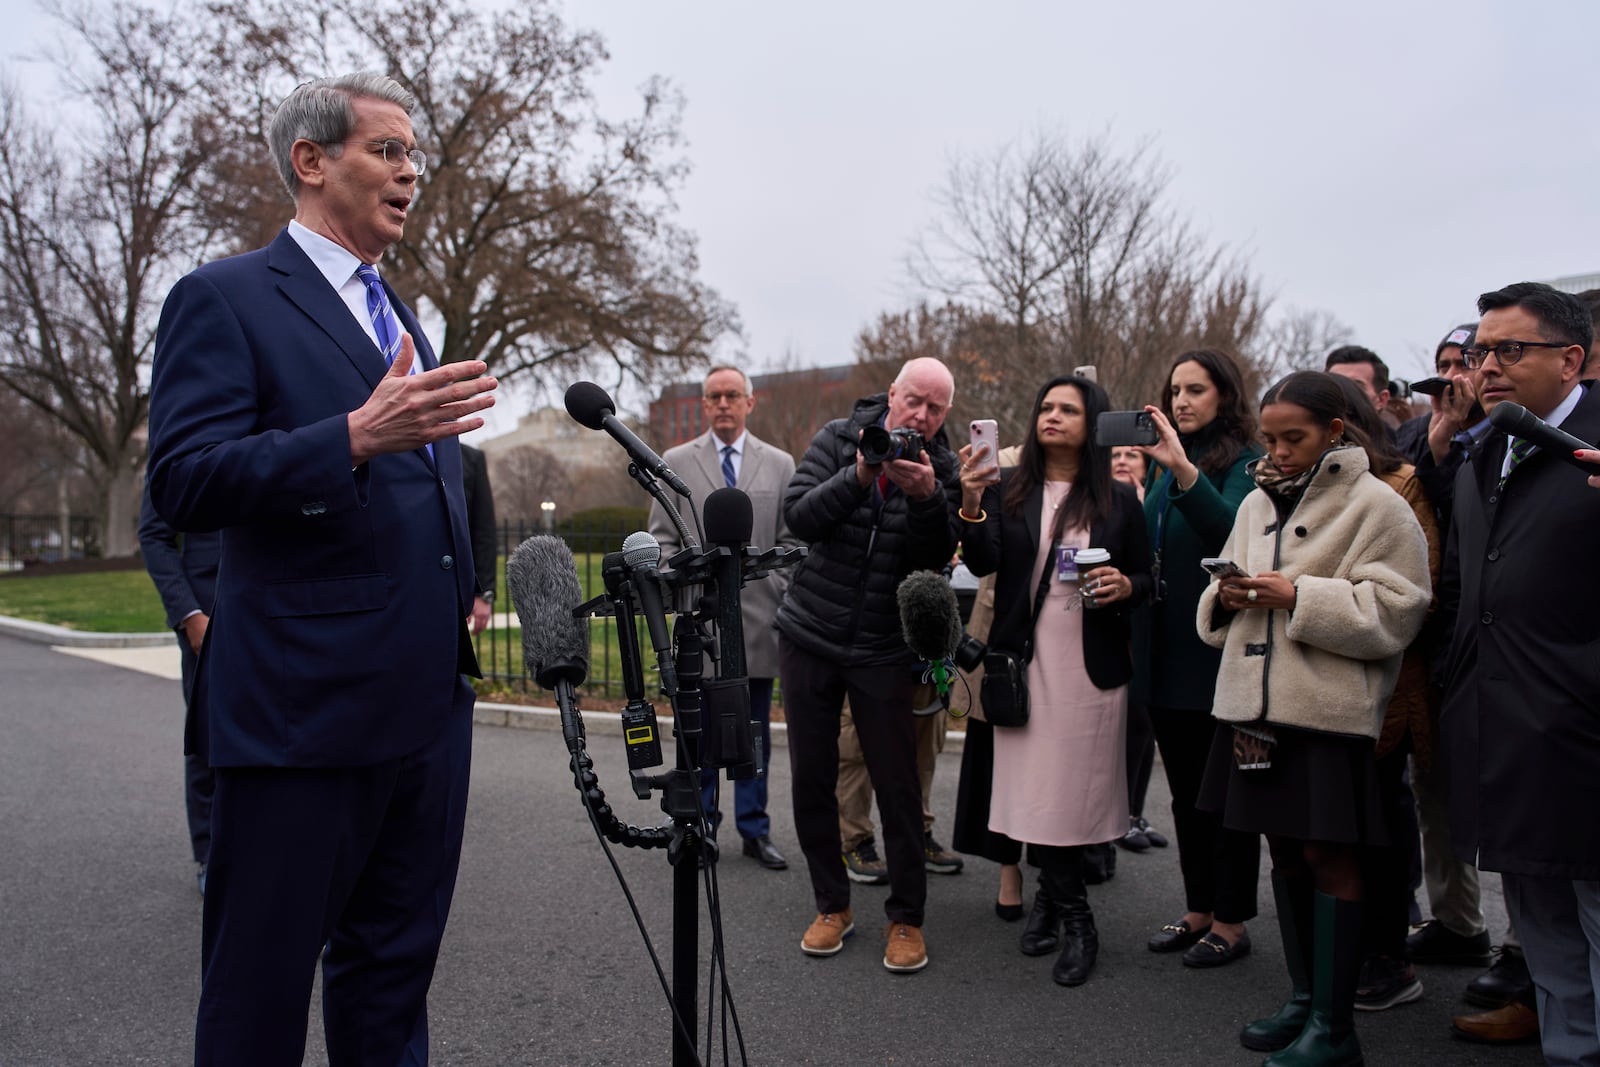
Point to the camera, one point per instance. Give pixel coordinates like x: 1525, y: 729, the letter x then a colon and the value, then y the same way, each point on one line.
x: 879, y: 445
x: 970, y: 652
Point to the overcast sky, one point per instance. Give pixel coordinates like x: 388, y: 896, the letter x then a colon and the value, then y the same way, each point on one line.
x: 1384, y: 162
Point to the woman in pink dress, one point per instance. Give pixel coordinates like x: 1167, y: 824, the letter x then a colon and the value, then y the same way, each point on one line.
x: 1060, y: 782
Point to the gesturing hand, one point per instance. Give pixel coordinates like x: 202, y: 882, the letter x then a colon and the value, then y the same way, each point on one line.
x: 407, y: 411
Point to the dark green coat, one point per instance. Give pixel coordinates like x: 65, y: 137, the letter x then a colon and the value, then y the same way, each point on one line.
x: 1173, y: 668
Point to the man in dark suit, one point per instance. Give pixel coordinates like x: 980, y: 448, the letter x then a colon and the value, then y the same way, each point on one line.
x: 184, y: 569
x: 480, y: 522
x: 1521, y: 720
x: 297, y: 407
x: 728, y: 455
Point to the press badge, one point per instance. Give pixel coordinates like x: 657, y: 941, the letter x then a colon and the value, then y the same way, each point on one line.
x: 1066, y: 565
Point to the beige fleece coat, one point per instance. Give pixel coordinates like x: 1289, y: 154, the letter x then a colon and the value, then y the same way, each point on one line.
x: 1359, y: 564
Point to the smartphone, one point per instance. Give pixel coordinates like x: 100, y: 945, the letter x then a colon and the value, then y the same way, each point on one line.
x: 1115, y: 428
x: 986, y: 433
x: 1086, y: 371
x: 1432, y: 386
x: 1220, y: 568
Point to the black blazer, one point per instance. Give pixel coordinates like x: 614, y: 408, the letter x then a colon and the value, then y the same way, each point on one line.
x: 480, y: 515
x: 1008, y: 544
x: 1520, y: 730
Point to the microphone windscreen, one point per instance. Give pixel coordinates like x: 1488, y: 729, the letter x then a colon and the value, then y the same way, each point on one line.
x: 930, y: 618
x: 543, y: 580
x: 729, y: 517
x: 639, y: 548
x: 589, y: 404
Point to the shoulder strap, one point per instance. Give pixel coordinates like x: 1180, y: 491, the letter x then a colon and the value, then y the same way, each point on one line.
x: 1039, y: 594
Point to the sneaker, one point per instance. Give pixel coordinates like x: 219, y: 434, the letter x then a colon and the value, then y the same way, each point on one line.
x: 938, y: 859
x: 1156, y: 838
x: 1134, y: 840
x: 825, y: 936
x: 905, y: 951
x: 1386, y: 982
x: 863, y: 865
x: 1433, y: 942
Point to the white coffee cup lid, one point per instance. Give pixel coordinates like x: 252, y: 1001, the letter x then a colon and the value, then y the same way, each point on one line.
x: 1091, y: 556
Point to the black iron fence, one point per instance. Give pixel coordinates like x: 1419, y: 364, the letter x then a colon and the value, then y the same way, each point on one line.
x: 500, y: 645
x: 28, y: 539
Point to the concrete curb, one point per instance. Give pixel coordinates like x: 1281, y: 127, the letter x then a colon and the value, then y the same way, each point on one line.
x: 609, y: 723
x: 43, y: 633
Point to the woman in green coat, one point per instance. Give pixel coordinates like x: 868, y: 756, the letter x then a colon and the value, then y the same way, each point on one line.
x: 1198, y: 476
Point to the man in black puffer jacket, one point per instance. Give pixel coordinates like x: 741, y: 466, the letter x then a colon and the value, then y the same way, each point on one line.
x: 868, y: 526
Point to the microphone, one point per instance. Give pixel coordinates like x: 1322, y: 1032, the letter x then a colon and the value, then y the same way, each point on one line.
x: 543, y: 580
x: 730, y: 520
x: 641, y: 554
x: 930, y: 620
x: 591, y: 406
x: 1518, y: 421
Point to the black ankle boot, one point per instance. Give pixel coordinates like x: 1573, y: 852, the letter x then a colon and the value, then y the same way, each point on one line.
x: 1039, y: 934
x: 1329, y: 1036
x: 1293, y: 895
x: 1080, y: 943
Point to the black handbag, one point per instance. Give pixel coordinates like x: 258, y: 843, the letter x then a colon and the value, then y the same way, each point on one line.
x: 1005, y: 674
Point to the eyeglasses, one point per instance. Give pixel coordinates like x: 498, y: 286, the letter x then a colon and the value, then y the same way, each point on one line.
x: 396, y: 153
x: 1506, y: 353
x: 717, y: 398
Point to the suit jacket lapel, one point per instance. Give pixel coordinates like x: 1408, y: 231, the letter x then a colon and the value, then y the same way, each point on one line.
x: 305, y: 286
x: 709, y: 458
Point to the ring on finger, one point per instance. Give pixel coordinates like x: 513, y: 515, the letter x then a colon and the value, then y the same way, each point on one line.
x: 1251, y: 596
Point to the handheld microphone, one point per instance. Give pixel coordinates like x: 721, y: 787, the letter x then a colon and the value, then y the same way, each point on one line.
x: 1518, y: 421
x: 641, y: 554
x: 730, y: 520
x: 930, y: 620
x: 591, y: 406
x: 543, y: 580
x: 730, y: 733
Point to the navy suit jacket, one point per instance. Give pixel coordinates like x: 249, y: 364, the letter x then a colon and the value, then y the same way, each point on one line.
x: 337, y: 636
x: 184, y: 570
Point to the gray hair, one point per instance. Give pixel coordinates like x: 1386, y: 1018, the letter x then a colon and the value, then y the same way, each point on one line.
x: 927, y: 363
x: 319, y: 111
x: 749, y: 390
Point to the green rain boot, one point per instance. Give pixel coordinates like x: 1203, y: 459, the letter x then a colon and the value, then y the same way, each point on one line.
x: 1276, y: 1031
x: 1329, y: 1037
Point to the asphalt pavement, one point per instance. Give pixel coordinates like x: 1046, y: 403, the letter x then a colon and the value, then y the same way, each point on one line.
x: 542, y: 963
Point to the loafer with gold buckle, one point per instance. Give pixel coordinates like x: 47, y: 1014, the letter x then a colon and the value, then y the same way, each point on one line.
x: 1175, y: 937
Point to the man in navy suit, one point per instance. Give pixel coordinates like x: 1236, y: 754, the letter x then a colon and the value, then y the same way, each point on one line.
x: 184, y: 569
x: 331, y: 685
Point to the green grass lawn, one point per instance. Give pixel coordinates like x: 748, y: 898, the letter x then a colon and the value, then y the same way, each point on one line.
x: 112, y: 602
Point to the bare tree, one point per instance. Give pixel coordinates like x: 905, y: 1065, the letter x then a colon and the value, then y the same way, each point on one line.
x: 543, y: 233
x: 1299, y: 340
x: 1070, y: 248
x: 94, y: 224
x: 523, y: 479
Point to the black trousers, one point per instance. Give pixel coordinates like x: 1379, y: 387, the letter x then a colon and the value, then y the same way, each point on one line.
x: 198, y: 781
x: 1141, y: 756
x: 1386, y: 870
x: 814, y: 689
x: 1220, y: 866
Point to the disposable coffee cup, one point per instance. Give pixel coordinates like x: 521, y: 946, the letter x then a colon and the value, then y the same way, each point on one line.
x: 1087, y: 560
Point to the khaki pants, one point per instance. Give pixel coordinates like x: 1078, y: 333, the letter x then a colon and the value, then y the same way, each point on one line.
x: 855, y: 787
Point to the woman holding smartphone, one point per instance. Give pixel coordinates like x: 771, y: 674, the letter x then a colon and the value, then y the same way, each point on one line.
x: 1060, y: 782
x: 1311, y: 647
x: 1199, y: 475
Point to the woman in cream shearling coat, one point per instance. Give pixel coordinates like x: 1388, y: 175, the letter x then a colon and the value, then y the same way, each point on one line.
x: 1337, y: 586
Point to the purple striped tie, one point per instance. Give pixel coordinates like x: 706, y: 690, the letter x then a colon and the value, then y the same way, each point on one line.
x: 384, y: 322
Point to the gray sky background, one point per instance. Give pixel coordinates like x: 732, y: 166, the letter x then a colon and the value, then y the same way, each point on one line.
x: 1384, y: 162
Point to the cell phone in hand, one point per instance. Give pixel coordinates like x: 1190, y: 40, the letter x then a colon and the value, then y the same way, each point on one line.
x: 1432, y: 386
x: 1115, y: 428
x: 1220, y: 568
x: 986, y: 433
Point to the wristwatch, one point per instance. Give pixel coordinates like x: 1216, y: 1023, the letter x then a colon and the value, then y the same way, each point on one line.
x: 487, y: 597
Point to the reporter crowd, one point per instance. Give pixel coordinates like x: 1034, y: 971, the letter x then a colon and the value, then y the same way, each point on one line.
x: 1364, y: 637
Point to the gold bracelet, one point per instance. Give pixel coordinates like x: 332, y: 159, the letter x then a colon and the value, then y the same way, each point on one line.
x: 983, y: 516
